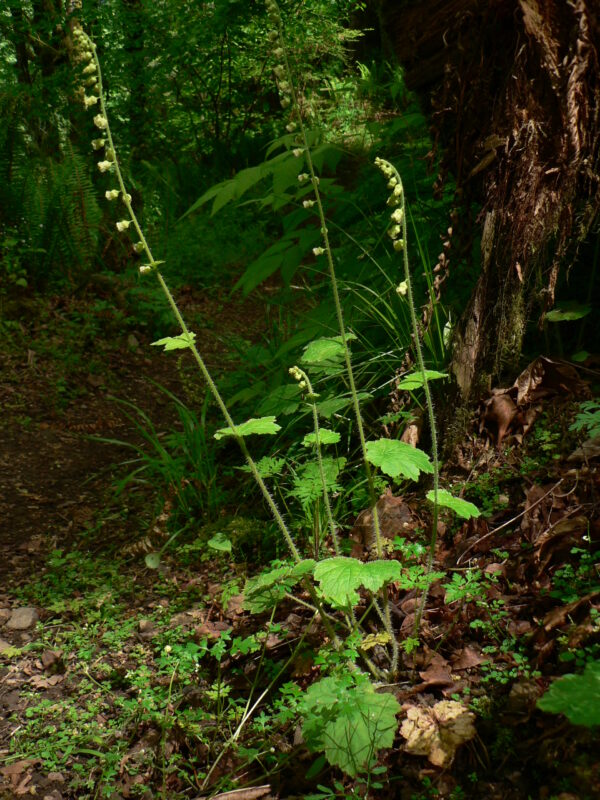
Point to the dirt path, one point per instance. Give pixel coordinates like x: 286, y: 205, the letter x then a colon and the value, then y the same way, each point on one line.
x: 53, y: 476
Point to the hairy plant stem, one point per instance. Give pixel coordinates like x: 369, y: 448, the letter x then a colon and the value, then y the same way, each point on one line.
x: 428, y: 398
x: 311, y: 400
x: 202, y: 366
x: 386, y: 616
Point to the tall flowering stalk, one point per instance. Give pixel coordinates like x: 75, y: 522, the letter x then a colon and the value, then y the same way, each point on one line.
x: 289, y: 100
x: 92, y: 96
x: 397, y: 233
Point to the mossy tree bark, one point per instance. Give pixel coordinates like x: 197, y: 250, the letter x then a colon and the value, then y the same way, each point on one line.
x: 513, y: 92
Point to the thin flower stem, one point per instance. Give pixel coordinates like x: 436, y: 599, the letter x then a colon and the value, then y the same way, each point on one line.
x: 396, y: 181
x: 310, y: 394
x: 386, y: 616
x: 200, y: 362
x: 336, y: 296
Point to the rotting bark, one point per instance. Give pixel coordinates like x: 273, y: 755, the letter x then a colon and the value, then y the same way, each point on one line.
x: 513, y: 91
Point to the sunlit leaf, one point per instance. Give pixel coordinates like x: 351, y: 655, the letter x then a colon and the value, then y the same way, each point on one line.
x: 398, y: 458
x: 325, y: 349
x: 461, y: 507
x: 152, y: 560
x: 220, y: 542
x: 567, y: 312
x: 180, y: 342
x: 349, y: 721
x: 341, y: 577
x: 261, y: 425
x: 325, y: 437
x: 415, y: 379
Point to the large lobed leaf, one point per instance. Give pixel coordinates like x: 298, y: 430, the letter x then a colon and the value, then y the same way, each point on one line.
x: 398, y: 458
x: 576, y: 696
x: 266, y: 590
x: 341, y: 577
x: 345, y: 718
x: 325, y: 349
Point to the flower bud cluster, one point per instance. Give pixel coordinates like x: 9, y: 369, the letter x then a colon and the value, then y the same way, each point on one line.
x: 274, y: 36
x: 91, y: 96
x: 396, y: 201
x: 299, y: 376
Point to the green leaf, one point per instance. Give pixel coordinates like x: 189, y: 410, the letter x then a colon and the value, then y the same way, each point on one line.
x: 180, y: 342
x: 308, y: 485
x: 11, y: 652
x: 220, y: 542
x: 340, y: 578
x: 461, y: 507
x: 267, y: 466
x: 325, y: 437
x: 349, y: 721
x: 152, y: 560
x: 567, y: 312
x: 266, y: 590
x: 327, y: 408
x: 415, y: 379
x: 580, y: 355
x: 398, y: 458
x: 282, y: 400
x: 262, y: 425
x: 575, y: 696
x: 329, y: 348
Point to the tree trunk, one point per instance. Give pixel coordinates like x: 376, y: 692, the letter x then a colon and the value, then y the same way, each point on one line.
x: 513, y: 90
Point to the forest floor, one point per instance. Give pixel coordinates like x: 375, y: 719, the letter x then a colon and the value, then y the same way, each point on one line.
x: 118, y: 680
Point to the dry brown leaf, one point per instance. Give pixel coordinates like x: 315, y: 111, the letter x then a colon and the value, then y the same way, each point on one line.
x: 235, y: 604
x: 588, y: 450
x: 558, y: 540
x: 18, y: 768
x: 41, y: 682
x: 501, y: 410
x: 395, y: 519
x: 467, y: 658
x: 437, y: 732
x: 559, y: 616
x: 253, y: 793
x: 212, y: 630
